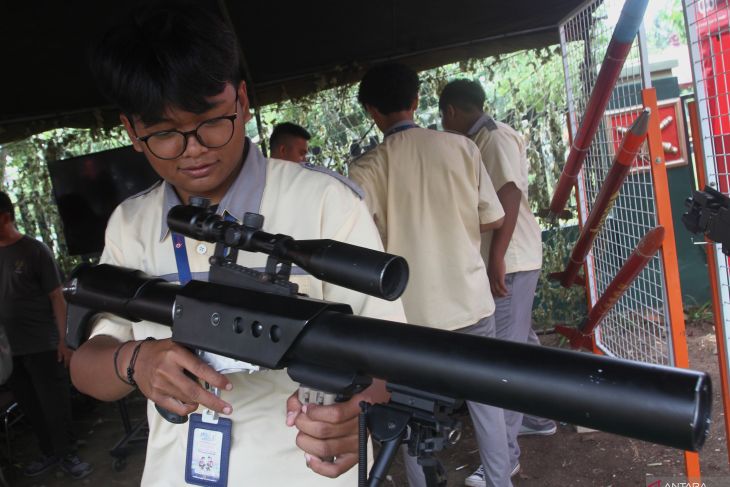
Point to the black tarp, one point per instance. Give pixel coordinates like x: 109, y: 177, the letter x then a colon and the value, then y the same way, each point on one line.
x: 291, y: 48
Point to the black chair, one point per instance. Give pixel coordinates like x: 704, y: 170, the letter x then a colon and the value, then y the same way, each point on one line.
x: 133, y: 434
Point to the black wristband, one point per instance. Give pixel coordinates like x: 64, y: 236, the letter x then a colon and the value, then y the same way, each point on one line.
x: 133, y: 361
x: 116, y: 365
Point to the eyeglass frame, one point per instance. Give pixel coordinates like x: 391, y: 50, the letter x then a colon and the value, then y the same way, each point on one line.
x: 186, y: 135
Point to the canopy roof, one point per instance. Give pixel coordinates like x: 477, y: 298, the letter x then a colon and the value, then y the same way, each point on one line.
x: 290, y: 48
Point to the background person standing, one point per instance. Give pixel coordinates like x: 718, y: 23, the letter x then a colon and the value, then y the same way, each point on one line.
x: 33, y: 312
x: 513, y: 252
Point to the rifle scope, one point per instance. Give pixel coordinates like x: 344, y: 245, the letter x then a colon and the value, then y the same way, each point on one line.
x: 368, y: 271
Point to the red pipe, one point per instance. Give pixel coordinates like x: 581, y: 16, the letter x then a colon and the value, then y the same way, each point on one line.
x: 630, y: 146
x: 616, y: 53
x: 639, y: 258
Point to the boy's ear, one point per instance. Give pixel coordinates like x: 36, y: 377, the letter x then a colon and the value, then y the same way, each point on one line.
x: 372, y: 111
x: 130, y: 133
x: 414, y: 104
x: 450, y: 111
x: 245, y: 105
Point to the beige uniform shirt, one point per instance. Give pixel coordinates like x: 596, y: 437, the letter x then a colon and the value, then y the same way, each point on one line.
x: 504, y: 156
x: 294, y: 201
x: 429, y: 192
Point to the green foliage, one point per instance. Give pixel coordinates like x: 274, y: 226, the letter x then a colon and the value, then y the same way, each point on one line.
x: 524, y: 90
x: 24, y: 172
x: 668, y: 26
x: 696, y: 313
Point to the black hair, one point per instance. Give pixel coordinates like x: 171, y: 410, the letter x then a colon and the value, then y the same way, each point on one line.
x: 284, y: 130
x: 6, y: 205
x: 389, y: 88
x: 464, y: 94
x: 168, y: 53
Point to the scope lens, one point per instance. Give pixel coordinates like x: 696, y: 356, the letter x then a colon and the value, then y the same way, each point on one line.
x: 394, y: 278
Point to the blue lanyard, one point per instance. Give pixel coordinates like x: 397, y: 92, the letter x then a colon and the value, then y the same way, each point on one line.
x: 400, y: 128
x: 181, y: 259
x: 181, y: 255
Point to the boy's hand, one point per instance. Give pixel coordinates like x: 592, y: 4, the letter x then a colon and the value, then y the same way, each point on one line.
x: 497, y: 272
x: 326, y: 431
x: 331, y: 431
x: 159, y: 374
x: 63, y: 353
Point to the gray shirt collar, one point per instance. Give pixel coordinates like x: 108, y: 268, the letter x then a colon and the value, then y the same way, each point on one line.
x: 483, y: 121
x: 243, y: 196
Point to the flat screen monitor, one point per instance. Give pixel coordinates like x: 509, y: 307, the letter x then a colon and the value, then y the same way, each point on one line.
x: 88, y: 188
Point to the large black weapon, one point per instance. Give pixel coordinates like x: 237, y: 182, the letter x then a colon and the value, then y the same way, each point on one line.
x: 708, y: 213
x: 324, y: 346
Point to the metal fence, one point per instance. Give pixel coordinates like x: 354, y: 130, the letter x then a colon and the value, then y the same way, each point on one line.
x: 638, y: 327
x: 708, y: 33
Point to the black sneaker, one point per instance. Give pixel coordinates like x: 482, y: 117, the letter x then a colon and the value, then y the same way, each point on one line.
x: 72, y: 465
x: 40, y: 466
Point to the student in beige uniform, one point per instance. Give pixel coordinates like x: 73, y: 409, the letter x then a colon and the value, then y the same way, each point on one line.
x: 430, y: 197
x: 512, y: 253
x: 289, y: 142
x: 172, y: 71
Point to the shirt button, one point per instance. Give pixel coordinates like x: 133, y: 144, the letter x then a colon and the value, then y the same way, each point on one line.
x: 202, y: 249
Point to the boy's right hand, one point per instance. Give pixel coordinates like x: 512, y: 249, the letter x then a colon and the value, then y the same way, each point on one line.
x: 159, y: 374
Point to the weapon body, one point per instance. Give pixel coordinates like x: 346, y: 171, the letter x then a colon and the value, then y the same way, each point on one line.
x: 708, y: 212
x: 639, y: 258
x: 313, y: 338
x: 630, y: 145
x: 618, y: 48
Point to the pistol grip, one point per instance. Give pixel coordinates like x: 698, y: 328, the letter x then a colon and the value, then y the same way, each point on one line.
x: 170, y: 416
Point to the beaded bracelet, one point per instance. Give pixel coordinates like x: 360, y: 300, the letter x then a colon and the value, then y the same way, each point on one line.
x: 116, y: 366
x: 133, y: 361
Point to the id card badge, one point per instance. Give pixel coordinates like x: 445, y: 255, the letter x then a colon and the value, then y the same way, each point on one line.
x: 208, y: 451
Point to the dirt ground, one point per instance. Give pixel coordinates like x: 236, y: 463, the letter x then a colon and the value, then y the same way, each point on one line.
x: 567, y: 458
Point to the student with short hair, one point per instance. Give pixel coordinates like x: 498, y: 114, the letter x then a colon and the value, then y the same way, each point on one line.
x: 431, y: 198
x: 172, y: 69
x: 289, y: 142
x: 513, y: 252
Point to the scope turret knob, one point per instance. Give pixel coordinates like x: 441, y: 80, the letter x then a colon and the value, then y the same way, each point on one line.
x: 253, y: 220
x: 199, y: 201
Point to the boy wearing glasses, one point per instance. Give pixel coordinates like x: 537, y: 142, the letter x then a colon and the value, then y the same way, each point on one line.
x: 172, y: 69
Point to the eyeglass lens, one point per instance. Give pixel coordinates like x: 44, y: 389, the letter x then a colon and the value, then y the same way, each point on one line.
x: 212, y: 134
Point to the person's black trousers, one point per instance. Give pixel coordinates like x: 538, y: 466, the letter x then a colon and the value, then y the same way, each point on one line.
x: 41, y: 386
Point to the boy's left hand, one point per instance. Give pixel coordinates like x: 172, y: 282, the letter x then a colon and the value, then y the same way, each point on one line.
x: 331, y: 431
x: 327, y: 431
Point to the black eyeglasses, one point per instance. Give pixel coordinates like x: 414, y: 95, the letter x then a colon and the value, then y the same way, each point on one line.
x: 171, y: 144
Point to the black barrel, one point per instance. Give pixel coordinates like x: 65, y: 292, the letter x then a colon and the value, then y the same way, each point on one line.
x: 660, y: 404
x: 664, y: 405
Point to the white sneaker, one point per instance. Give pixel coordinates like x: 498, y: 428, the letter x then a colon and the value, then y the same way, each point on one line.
x: 477, y: 478
x: 527, y: 431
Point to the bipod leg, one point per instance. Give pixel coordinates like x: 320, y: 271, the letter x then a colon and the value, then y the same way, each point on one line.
x: 435, y: 473
x: 418, y: 418
x: 389, y: 426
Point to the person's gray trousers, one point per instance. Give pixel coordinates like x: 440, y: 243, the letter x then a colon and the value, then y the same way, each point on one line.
x: 489, y: 429
x: 513, y: 317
